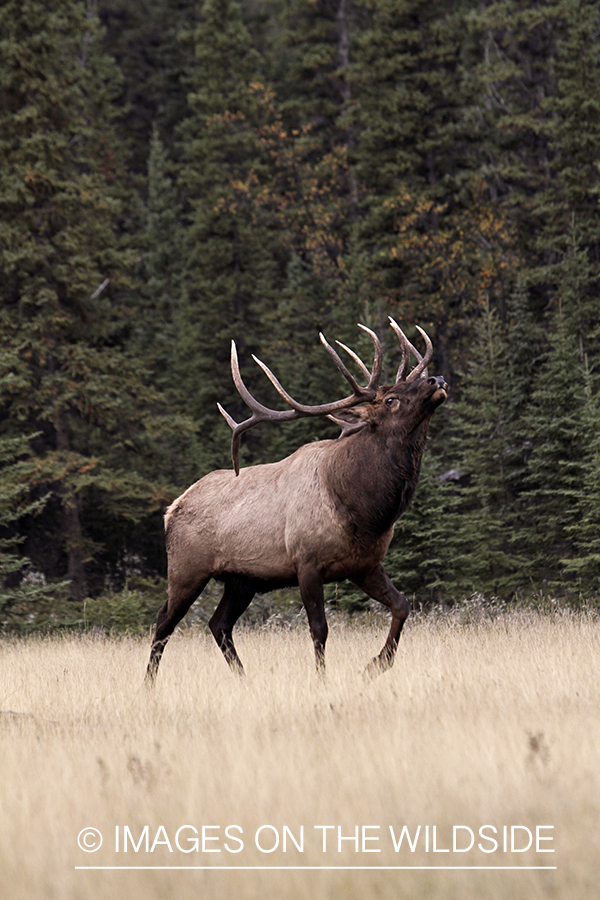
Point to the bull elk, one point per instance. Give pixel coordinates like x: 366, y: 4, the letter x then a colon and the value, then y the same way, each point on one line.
x: 324, y: 514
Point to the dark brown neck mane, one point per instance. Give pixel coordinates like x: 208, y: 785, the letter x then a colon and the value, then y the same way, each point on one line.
x: 375, y: 489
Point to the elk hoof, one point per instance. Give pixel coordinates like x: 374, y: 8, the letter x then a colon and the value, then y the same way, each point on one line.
x: 376, y: 667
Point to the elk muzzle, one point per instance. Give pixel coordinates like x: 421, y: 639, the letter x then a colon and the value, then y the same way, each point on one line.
x: 441, y: 387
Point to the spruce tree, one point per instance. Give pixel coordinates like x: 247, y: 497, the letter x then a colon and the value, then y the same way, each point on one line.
x: 573, y: 129
x: 230, y: 246
x: 558, y: 456
x: 159, y: 266
x: 490, y: 561
x: 318, y: 192
x: 144, y: 37
x: 65, y: 277
x: 584, y: 564
x: 16, y: 505
x: 563, y: 426
x: 538, y: 85
x: 435, y: 241
x: 424, y: 559
x: 524, y: 338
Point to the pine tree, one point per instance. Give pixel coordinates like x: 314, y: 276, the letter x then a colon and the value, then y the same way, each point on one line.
x: 584, y: 564
x: 316, y: 52
x: 524, y: 338
x: 577, y: 279
x: 148, y: 41
x: 558, y: 457
x: 64, y: 277
x: 435, y: 241
x: 515, y: 74
x: 488, y: 556
x: 231, y: 267
x: 573, y: 127
x: 317, y: 190
x: 538, y: 82
x: 14, y: 506
x: 563, y: 429
x: 424, y: 559
x: 159, y: 266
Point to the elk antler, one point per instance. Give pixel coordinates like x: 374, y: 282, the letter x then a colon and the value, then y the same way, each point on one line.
x: 262, y: 413
x: 407, y: 349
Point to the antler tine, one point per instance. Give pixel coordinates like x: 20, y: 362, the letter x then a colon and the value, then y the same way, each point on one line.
x: 407, y: 349
x: 377, y: 360
x: 373, y: 376
x: 260, y: 413
x: 422, y: 361
x: 340, y: 365
x: 405, y: 344
x: 347, y: 427
x: 229, y: 419
x: 356, y: 358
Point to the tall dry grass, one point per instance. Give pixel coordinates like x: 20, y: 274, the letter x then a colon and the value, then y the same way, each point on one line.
x: 493, y: 723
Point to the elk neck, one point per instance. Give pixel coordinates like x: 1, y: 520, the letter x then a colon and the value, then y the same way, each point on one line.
x: 373, y: 475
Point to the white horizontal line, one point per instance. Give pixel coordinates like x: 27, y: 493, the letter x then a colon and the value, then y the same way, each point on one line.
x: 320, y: 868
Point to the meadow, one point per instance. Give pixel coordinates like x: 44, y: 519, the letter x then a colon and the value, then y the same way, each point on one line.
x: 486, y: 732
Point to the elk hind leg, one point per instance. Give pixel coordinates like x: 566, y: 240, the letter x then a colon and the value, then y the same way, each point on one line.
x: 236, y: 599
x: 378, y: 586
x: 311, y: 591
x: 180, y: 598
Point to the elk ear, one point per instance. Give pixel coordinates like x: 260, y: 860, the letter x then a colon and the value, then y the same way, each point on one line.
x: 351, y: 420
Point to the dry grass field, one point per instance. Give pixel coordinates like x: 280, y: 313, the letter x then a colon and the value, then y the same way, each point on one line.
x: 494, y: 723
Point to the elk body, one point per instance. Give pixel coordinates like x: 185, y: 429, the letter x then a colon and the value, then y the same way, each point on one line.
x: 324, y: 514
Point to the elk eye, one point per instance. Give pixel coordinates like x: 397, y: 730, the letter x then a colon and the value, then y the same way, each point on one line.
x: 392, y: 402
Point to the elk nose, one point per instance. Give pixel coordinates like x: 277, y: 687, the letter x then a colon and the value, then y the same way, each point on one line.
x: 438, y: 381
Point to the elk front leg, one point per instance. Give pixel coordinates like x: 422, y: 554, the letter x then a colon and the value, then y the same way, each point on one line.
x: 311, y: 591
x: 378, y: 586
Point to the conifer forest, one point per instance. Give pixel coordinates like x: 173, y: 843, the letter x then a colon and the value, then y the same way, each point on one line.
x: 175, y: 174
